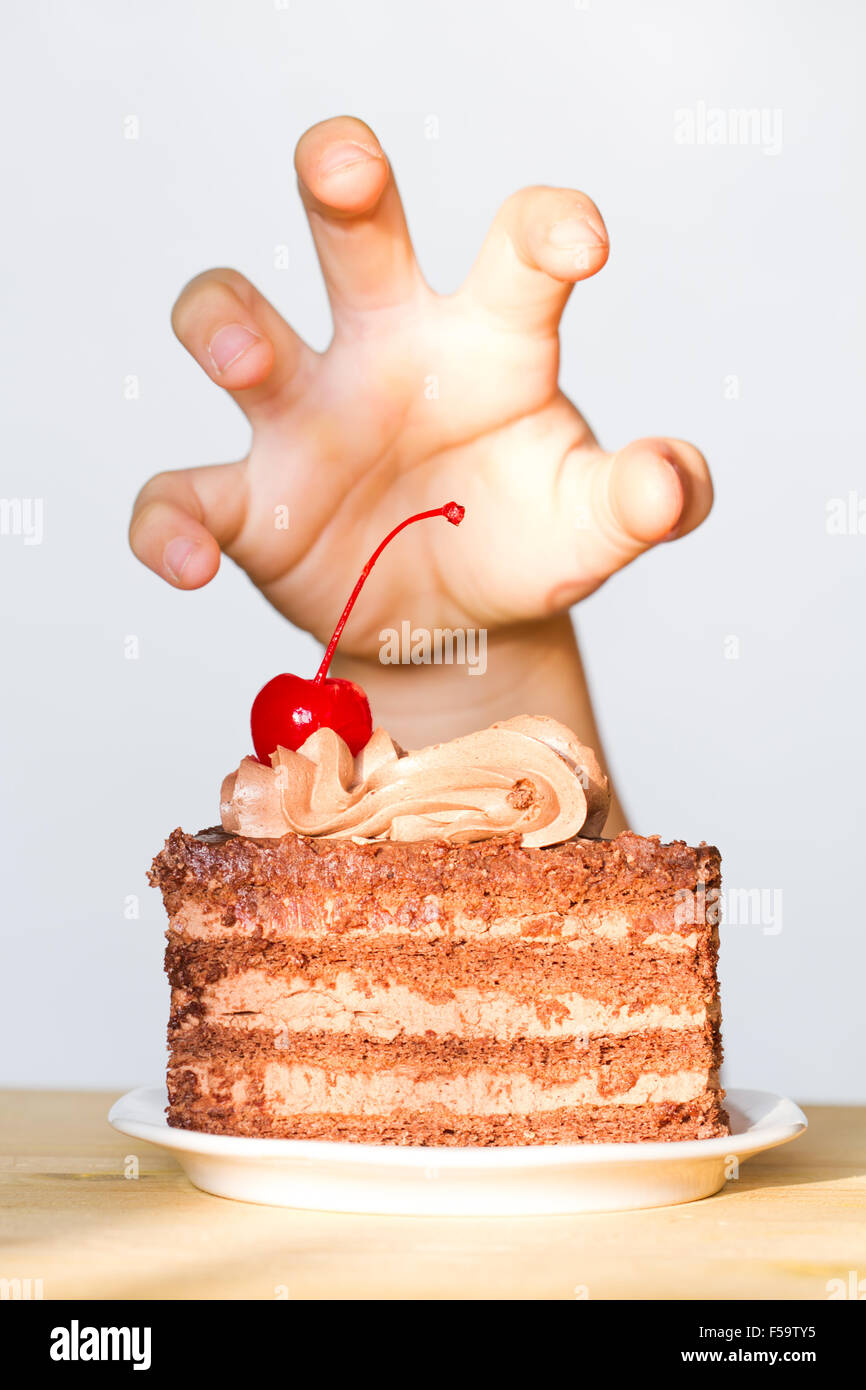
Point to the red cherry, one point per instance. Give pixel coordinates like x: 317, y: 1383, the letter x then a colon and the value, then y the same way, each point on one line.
x: 288, y: 709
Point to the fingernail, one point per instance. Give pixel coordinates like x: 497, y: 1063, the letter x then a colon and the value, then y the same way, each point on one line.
x: 230, y: 343
x: 176, y: 555
x: 344, y: 156
x: 576, y: 231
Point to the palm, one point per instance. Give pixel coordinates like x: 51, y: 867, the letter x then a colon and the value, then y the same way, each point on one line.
x: 364, y: 467
x: 418, y: 400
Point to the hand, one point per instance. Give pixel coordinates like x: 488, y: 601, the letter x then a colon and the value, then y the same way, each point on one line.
x: 419, y: 399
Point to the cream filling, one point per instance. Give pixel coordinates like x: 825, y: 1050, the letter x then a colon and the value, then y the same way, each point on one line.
x: 255, y: 999
x: 425, y: 922
x: 300, y: 1088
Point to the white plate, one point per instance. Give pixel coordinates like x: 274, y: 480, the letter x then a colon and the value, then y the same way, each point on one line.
x: 496, y: 1181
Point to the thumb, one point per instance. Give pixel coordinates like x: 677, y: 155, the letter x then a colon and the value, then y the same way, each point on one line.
x: 617, y: 506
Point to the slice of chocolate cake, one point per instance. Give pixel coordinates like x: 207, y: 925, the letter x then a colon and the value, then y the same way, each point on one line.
x: 430, y: 948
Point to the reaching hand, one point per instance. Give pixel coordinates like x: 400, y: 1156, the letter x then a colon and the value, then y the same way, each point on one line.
x: 419, y: 398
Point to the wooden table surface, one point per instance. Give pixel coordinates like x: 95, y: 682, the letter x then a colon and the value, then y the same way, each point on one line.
x: 794, y: 1220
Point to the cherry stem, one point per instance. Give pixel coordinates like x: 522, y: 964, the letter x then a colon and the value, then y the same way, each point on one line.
x: 452, y: 511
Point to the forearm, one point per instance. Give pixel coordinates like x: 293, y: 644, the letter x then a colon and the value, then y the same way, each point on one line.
x: 531, y: 669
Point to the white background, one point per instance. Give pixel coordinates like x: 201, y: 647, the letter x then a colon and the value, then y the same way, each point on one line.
x: 728, y: 261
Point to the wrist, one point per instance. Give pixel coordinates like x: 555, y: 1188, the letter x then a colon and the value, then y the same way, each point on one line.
x: 533, y: 668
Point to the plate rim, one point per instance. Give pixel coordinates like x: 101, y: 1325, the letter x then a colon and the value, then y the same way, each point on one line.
x: 763, y: 1133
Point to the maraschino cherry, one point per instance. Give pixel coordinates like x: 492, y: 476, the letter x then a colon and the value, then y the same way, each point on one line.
x: 288, y: 709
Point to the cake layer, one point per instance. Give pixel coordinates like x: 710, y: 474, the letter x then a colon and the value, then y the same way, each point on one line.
x: 361, y: 887
x: 221, y: 1111
x: 614, y: 1064
x: 542, y: 979
x: 270, y: 1080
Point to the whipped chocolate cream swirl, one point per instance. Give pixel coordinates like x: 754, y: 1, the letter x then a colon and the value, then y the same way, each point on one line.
x: 528, y: 776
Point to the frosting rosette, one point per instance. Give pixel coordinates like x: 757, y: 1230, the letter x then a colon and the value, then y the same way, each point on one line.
x: 528, y: 776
